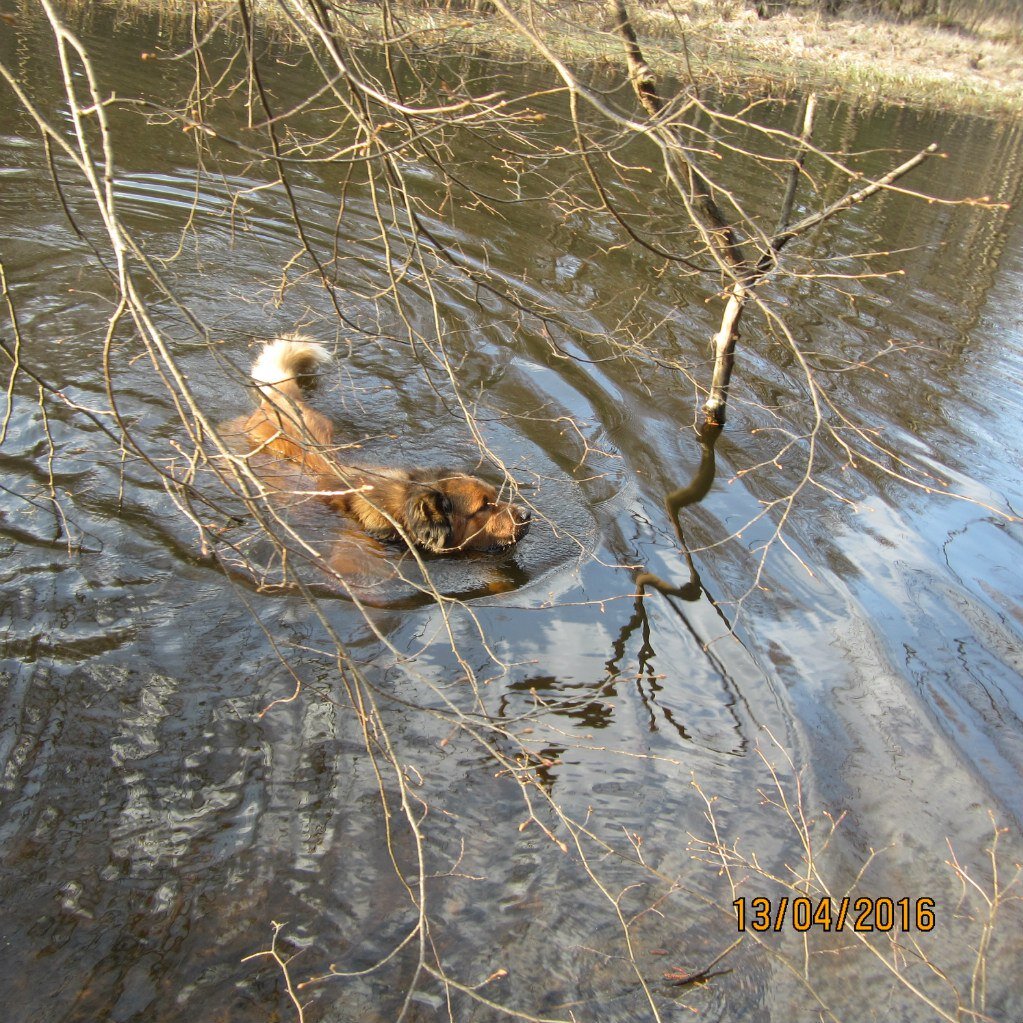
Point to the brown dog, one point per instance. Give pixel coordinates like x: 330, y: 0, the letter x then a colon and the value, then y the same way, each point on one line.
x: 437, y: 510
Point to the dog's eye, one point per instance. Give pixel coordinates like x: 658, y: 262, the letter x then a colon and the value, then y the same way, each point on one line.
x: 484, y: 505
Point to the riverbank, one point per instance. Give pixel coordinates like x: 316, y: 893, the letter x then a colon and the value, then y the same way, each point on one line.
x: 724, y: 43
x: 863, y: 57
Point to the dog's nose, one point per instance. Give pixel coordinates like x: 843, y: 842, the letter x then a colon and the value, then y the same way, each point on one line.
x: 521, y: 515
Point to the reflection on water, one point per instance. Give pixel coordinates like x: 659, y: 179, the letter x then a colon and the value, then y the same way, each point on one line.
x: 185, y: 756
x: 675, y: 502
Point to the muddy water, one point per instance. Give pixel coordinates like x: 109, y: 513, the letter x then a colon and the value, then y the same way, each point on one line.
x: 160, y: 810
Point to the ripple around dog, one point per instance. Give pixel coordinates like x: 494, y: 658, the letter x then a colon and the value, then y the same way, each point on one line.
x: 364, y: 550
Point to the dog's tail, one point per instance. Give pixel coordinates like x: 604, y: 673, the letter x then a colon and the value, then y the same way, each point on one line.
x: 282, y: 362
x: 284, y: 424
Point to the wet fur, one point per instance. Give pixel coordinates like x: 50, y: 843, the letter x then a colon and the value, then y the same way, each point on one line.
x: 442, y: 511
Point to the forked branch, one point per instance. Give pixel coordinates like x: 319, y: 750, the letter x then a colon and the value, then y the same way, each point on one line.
x: 722, y: 237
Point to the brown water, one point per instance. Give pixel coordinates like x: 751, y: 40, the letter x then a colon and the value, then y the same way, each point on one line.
x: 154, y: 822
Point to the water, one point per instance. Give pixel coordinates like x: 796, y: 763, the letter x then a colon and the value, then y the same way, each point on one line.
x: 188, y: 759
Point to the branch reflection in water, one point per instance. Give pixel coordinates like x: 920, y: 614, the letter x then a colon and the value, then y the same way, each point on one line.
x: 692, y: 590
x: 591, y: 706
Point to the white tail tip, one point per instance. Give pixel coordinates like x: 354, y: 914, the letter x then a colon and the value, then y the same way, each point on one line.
x: 286, y: 358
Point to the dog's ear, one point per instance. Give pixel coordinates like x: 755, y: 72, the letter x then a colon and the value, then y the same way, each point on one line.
x: 427, y: 519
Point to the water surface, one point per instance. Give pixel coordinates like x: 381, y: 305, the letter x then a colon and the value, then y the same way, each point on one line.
x: 184, y: 755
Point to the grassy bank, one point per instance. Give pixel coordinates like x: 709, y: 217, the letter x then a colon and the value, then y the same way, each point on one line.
x: 725, y: 43
x: 861, y: 56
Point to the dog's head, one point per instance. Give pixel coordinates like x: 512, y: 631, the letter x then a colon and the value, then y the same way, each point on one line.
x: 451, y: 512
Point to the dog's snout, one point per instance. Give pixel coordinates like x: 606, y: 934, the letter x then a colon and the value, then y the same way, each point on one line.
x: 521, y: 519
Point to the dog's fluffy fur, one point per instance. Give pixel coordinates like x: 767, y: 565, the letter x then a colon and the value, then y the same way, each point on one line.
x: 437, y: 510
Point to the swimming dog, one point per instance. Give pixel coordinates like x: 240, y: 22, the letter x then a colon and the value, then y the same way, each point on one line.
x: 437, y: 510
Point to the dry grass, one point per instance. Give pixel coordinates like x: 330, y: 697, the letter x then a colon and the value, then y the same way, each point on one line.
x: 916, y: 63
x: 854, y: 55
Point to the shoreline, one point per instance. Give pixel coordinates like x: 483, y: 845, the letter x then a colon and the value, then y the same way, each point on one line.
x: 853, y: 57
x: 869, y: 58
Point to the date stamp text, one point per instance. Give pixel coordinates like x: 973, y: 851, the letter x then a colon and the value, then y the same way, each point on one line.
x: 860, y: 914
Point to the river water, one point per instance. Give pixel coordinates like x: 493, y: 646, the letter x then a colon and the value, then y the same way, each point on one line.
x: 531, y: 788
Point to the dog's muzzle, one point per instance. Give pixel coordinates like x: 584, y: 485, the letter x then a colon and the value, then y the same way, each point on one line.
x: 522, y: 519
